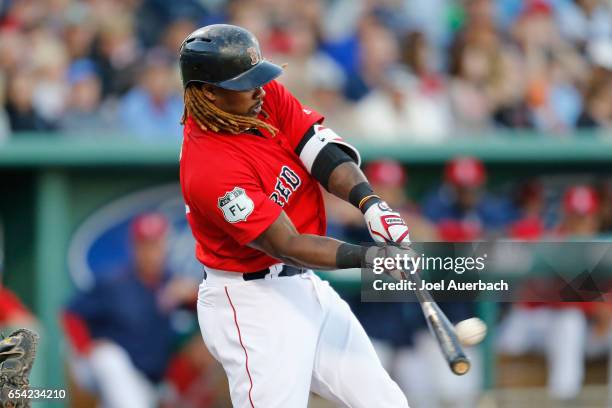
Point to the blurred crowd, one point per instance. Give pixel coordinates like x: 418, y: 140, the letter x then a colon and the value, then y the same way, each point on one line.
x: 398, y: 70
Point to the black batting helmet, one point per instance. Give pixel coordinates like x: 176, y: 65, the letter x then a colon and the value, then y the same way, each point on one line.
x: 227, y: 56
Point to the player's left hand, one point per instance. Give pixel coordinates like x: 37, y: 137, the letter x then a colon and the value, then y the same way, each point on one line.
x: 386, y: 225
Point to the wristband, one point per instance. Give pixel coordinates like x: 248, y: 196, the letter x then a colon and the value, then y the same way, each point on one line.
x: 368, y: 201
x: 362, y: 196
x: 350, y: 256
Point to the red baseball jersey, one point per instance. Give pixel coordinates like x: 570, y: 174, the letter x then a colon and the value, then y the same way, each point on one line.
x: 10, y: 307
x: 235, y: 186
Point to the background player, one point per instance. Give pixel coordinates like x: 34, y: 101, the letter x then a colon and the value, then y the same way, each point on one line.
x: 121, y: 330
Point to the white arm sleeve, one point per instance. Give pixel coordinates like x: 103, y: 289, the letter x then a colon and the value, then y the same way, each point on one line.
x: 321, y: 137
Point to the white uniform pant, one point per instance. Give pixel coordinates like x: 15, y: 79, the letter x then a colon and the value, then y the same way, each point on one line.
x: 108, y: 371
x: 281, y: 337
x: 562, y: 334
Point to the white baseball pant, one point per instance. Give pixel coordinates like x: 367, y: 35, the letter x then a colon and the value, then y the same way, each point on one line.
x: 108, y: 371
x: 562, y: 334
x: 279, y: 338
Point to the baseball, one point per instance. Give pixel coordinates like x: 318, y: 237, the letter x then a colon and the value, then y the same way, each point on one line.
x: 471, y: 331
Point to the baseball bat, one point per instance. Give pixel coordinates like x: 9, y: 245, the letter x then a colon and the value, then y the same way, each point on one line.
x: 442, y: 330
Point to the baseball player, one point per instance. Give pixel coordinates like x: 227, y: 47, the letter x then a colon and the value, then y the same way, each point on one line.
x: 251, y: 164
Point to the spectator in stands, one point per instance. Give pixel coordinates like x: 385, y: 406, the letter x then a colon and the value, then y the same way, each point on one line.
x: 298, y: 48
x: 511, y: 109
x: 12, y: 56
x: 175, y: 16
x: 118, y: 54
x: 511, y: 64
x: 418, y: 55
x: 152, y: 110
x: 23, y: 14
x: 471, y: 71
x: 175, y: 33
x: 49, y: 61
x: 19, y: 104
x: 399, y: 110
x: 378, y: 52
x: 121, y: 331
x: 79, y: 32
x: 581, y: 21
x: 85, y: 111
x: 597, y: 113
x: 554, y: 69
x: 461, y: 204
x: 327, y: 80
x: 255, y: 17
x: 487, y: 82
x: 4, y: 118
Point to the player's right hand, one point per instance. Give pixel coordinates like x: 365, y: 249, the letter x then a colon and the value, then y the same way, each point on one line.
x: 386, y: 225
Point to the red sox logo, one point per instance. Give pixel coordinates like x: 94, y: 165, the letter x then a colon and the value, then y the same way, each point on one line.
x: 252, y: 51
x: 286, y: 183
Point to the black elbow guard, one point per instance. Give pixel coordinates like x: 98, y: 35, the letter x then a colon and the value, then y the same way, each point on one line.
x: 330, y: 157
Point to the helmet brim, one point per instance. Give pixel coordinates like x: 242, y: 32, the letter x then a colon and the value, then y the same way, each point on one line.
x: 255, y: 77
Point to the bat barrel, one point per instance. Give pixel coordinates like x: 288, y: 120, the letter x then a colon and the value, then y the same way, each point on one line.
x: 442, y: 330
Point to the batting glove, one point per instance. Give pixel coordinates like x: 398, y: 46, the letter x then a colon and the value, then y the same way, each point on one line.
x: 397, y: 271
x: 386, y: 225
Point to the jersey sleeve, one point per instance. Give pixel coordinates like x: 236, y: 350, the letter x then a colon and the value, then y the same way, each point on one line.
x: 293, y: 118
x: 234, y: 202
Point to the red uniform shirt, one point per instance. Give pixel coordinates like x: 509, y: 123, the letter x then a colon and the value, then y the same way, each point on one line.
x: 10, y: 307
x: 235, y: 186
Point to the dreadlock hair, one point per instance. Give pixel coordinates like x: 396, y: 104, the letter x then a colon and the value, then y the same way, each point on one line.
x: 209, y: 117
